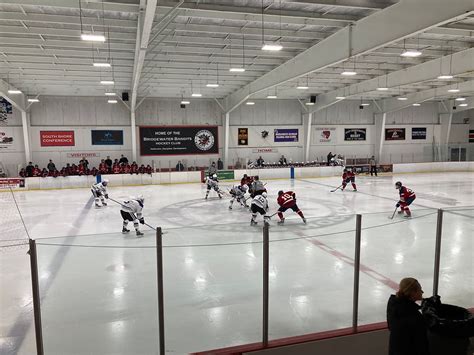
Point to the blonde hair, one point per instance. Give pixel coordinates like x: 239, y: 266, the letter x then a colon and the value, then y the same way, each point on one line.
x: 407, y: 287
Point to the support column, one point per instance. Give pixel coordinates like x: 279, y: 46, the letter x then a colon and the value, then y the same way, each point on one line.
x: 26, y: 136
x: 382, y: 133
x: 308, y: 136
x: 226, y: 140
x: 133, y: 130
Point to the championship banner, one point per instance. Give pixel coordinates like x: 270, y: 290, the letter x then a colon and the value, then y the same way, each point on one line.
x: 325, y: 135
x: 418, y: 133
x: 57, y: 138
x: 471, y: 136
x: 243, y: 136
x: 178, y: 140
x: 286, y: 135
x: 107, y: 137
x: 5, y: 109
x: 11, y: 183
x: 355, y: 134
x: 394, y: 134
x: 6, y: 140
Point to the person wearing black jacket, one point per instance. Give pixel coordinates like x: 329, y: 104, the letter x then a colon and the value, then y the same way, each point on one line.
x: 29, y: 169
x: 408, y: 330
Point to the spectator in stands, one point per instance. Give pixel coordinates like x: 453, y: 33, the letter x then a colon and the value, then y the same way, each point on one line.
x: 36, y: 171
x: 108, y: 163
x: 126, y: 168
x: 238, y: 164
x: 260, y: 161
x: 123, y: 160
x: 74, y: 170
x: 94, y: 171
x: 84, y: 162
x: 64, y: 171
x: 22, y: 173
x: 179, y: 166
x: 149, y: 169
x: 142, y: 169
x: 29, y: 169
x: 408, y: 330
x: 44, y: 172
x: 134, y: 168
x: 220, y: 164
x: 115, y: 162
x: 51, y: 166
x: 116, y: 168
x: 373, y: 166
x: 103, y: 167
x: 212, y: 169
x: 330, y: 156
x: 282, y: 160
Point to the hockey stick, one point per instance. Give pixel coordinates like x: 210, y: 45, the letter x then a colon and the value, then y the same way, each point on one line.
x: 393, y: 214
x: 337, y: 188
x: 146, y: 224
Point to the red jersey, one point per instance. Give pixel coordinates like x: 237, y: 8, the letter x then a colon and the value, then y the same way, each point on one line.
x: 149, y: 169
x: 126, y: 169
x: 134, y: 169
x: 36, y: 172
x: 116, y: 169
x: 246, y: 180
x: 288, y: 199
x: 348, y: 175
x: 406, y: 193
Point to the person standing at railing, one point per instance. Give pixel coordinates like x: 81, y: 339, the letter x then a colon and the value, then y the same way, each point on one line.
x: 373, y: 166
x: 408, y: 330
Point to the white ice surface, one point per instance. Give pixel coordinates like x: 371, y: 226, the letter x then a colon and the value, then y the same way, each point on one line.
x: 98, y: 286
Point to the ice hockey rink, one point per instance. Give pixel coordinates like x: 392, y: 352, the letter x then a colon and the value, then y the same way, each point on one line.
x: 100, y: 285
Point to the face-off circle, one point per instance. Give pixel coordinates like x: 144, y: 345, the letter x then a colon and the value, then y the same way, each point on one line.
x: 204, y: 139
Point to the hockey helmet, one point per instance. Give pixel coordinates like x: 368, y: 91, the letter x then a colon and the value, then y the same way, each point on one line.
x: 281, y: 192
x: 264, y: 194
x: 256, y: 177
x: 398, y: 184
x: 105, y: 182
x: 214, y: 176
x: 140, y: 199
x: 243, y: 188
x: 245, y: 175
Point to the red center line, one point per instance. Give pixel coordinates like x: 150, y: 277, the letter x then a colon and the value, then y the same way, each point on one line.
x: 350, y: 261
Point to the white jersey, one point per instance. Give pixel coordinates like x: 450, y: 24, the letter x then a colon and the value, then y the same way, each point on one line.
x: 237, y: 192
x: 99, y: 187
x: 132, y: 206
x: 212, y: 184
x: 257, y: 185
x: 260, y: 201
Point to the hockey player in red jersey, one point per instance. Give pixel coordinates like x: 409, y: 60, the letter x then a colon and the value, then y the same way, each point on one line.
x: 288, y: 200
x: 348, y: 176
x: 246, y: 180
x: 407, y: 196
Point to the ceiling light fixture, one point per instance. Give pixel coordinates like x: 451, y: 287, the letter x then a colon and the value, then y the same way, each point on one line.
x: 195, y: 94
x: 237, y: 70
x: 101, y: 65
x: 272, y: 46
x: 349, y: 73
x: 110, y: 94
x: 302, y: 87
x: 382, y: 89
x: 461, y: 99
x: 442, y: 77
x: 271, y: 96
x: 365, y: 104
x: 250, y: 103
x: 416, y: 104
x: 411, y: 53
x: 210, y: 85
x: 113, y: 101
x: 454, y: 90
x: 92, y: 37
x: 33, y: 100
x: 185, y: 102
x: 463, y: 105
x: 340, y: 97
x: 402, y: 98
x: 107, y: 82
x: 309, y: 103
x: 14, y: 91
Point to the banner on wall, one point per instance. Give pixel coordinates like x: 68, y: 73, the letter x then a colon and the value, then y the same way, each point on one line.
x: 471, y: 136
x: 6, y: 140
x: 286, y: 135
x: 418, y: 133
x: 243, y: 136
x: 178, y: 140
x: 355, y: 134
x: 11, y: 183
x: 107, y: 137
x: 57, y: 138
x: 265, y: 150
x: 5, y: 109
x: 394, y: 134
x: 325, y: 135
x: 83, y: 155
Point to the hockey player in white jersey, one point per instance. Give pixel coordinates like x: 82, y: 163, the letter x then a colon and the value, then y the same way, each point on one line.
x: 259, y: 205
x: 213, y: 183
x: 131, y: 211
x: 238, y: 193
x: 99, y: 191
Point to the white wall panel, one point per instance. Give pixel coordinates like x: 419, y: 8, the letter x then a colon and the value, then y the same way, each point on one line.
x: 268, y: 112
x: 427, y: 113
x: 345, y: 112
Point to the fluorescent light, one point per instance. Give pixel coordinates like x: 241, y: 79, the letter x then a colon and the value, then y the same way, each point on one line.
x: 237, y: 70
x: 185, y: 102
x: 416, y: 104
x: 196, y: 95
x: 365, y: 104
x: 461, y: 99
x: 463, y: 105
x: 382, y: 89
x: 340, y: 97
x: 302, y: 87
x: 14, y: 91
x: 212, y: 85
x: 272, y: 47
x: 250, y: 103
x: 271, y: 97
x: 112, y: 101
x: 93, y: 38
x: 107, y: 82
x: 102, y: 65
x: 411, y: 53
x: 453, y: 90
x: 309, y: 103
x: 445, y: 77
x: 402, y: 98
x: 110, y: 94
x: 348, y: 73
x: 33, y: 100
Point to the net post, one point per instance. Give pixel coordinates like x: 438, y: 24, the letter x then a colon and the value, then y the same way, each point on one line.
x: 439, y: 230
x: 159, y: 275
x: 36, y: 296
x: 266, y: 270
x: 355, y: 296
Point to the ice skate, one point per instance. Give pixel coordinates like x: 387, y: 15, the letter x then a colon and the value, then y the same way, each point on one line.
x: 104, y: 203
x: 304, y: 220
x: 97, y: 205
x: 125, y: 230
x: 253, y: 223
x: 139, y: 234
x: 230, y: 207
x: 281, y: 222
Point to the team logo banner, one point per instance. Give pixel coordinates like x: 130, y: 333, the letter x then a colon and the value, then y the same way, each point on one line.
x: 394, y: 134
x: 5, y: 109
x: 286, y: 135
x: 6, y: 140
x: 243, y: 136
x: 179, y: 140
x: 355, y: 134
x: 107, y: 137
x: 325, y: 135
x: 57, y: 138
x: 418, y: 133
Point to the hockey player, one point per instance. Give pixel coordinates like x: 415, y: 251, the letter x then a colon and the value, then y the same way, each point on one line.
x: 348, y: 176
x: 131, y: 211
x: 288, y: 200
x: 99, y: 191
x: 407, y: 196
x: 257, y: 187
x: 246, y: 180
x: 213, y: 183
x: 259, y: 205
x: 238, y: 193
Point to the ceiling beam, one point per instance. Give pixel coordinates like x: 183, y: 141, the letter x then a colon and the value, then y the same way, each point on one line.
x: 357, y: 4
x: 401, y: 20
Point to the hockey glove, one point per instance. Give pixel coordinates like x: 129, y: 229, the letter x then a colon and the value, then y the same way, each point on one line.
x: 142, y: 220
x: 106, y: 196
x: 398, y: 204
